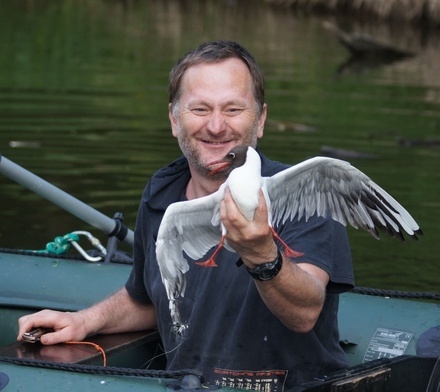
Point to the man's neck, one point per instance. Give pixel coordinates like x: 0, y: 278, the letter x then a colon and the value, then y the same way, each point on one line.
x: 199, y: 186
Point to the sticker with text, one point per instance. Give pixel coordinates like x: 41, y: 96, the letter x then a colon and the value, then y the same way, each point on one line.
x: 387, y: 343
x: 262, y: 380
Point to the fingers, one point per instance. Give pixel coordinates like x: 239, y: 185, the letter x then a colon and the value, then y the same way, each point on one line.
x: 252, y: 240
x: 54, y: 338
x: 29, y: 322
x: 235, y: 220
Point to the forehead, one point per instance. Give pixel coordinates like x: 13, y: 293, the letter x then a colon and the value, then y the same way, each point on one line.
x: 228, y: 75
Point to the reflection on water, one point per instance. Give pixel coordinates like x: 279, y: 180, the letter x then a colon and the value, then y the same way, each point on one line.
x: 83, y: 104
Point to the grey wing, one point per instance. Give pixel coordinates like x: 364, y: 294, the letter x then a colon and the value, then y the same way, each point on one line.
x: 186, y: 226
x: 190, y: 226
x: 331, y: 187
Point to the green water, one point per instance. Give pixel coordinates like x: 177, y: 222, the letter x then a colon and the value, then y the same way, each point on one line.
x: 83, y: 104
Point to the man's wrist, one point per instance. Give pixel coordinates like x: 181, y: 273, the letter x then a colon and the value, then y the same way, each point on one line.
x: 267, y: 271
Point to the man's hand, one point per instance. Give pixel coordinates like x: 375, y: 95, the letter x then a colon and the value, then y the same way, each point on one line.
x: 66, y: 326
x: 117, y: 313
x: 252, y: 240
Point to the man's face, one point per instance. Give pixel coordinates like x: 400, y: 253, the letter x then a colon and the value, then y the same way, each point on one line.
x: 217, y: 111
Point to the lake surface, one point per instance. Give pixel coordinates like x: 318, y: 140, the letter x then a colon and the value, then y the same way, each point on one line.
x: 83, y: 104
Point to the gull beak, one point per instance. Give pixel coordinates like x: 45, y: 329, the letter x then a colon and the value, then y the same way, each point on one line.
x: 223, y: 165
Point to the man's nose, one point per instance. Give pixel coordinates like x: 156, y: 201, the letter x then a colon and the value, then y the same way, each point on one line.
x: 216, y: 122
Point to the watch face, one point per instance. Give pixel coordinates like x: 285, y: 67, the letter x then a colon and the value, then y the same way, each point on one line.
x: 267, y: 271
x: 267, y: 274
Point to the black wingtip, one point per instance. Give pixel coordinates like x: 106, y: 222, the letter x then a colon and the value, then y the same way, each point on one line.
x: 417, y: 232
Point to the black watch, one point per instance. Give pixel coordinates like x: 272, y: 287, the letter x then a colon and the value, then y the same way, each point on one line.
x: 267, y: 271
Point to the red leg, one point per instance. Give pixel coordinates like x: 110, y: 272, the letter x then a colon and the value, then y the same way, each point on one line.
x: 288, y: 251
x: 211, y: 261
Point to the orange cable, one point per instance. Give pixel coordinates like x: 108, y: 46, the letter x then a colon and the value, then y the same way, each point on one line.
x: 96, y: 346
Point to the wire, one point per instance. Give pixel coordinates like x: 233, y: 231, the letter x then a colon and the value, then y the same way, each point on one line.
x: 96, y: 346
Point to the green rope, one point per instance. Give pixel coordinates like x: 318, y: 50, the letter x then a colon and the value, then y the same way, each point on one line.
x: 60, y: 245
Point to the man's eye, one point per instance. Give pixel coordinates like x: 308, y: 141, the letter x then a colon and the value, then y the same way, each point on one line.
x: 234, y: 111
x: 199, y: 110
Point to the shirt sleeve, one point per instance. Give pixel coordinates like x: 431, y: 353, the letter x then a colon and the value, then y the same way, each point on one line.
x: 324, y: 243
x: 135, y: 284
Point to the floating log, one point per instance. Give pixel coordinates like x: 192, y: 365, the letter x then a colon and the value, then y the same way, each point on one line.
x: 366, y: 45
x: 406, y: 142
x: 289, y: 126
x: 419, y: 11
x: 346, y: 154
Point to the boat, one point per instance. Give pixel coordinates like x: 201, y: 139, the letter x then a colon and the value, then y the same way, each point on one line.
x: 392, y: 339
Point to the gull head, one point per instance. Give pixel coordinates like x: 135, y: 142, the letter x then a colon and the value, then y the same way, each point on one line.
x: 236, y: 157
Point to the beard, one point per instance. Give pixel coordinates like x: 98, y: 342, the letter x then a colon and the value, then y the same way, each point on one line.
x: 195, y: 159
x: 192, y: 154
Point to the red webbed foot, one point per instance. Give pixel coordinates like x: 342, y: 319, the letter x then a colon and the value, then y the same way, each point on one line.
x: 288, y: 251
x: 211, y: 261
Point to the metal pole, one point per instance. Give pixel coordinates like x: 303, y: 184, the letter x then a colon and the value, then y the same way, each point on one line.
x: 64, y: 200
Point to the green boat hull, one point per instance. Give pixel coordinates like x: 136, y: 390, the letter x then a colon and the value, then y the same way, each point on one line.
x: 376, y: 332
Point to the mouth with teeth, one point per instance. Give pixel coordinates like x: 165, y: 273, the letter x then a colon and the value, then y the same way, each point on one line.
x: 213, y: 143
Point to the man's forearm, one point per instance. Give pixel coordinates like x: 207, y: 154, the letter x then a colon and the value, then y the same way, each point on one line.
x: 119, y: 313
x: 295, y: 295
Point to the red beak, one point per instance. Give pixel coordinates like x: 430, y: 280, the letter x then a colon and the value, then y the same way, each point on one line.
x: 221, y: 167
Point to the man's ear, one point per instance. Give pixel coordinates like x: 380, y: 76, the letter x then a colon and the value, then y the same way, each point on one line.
x: 173, y: 120
x: 261, y: 121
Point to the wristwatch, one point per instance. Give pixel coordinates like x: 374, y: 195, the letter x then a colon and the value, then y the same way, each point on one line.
x: 267, y: 271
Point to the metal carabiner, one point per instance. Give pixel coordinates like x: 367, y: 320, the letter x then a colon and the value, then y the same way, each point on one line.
x: 94, y: 241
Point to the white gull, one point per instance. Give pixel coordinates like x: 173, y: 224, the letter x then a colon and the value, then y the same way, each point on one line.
x: 318, y: 186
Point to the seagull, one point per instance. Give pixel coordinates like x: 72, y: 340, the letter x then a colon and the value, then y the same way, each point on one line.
x: 319, y: 186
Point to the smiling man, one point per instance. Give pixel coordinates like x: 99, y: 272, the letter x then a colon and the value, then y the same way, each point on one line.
x: 213, y: 109
x: 245, y: 331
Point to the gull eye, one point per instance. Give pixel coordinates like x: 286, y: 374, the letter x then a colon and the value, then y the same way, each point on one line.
x: 232, y: 155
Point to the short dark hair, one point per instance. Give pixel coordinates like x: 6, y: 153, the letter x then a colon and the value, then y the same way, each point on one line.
x: 213, y: 52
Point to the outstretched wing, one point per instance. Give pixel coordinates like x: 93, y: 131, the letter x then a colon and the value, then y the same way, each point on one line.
x: 192, y: 227
x: 331, y: 187
x: 187, y: 226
